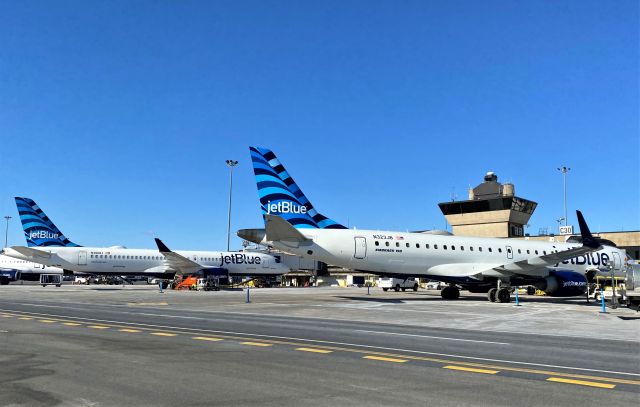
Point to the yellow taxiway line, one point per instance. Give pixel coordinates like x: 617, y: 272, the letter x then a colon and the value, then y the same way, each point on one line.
x: 470, y: 369
x: 581, y: 382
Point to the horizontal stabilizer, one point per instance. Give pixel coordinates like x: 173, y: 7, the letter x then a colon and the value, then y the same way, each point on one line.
x: 27, y: 252
x: 279, y: 230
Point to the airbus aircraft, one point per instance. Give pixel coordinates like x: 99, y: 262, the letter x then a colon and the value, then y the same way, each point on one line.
x: 14, y: 270
x: 48, y: 246
x: 490, y: 265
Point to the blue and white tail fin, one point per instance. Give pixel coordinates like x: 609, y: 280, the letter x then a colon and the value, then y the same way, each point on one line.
x: 280, y: 195
x: 38, y: 228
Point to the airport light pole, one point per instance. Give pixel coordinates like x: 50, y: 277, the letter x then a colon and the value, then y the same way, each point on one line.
x: 564, y: 170
x: 6, y: 230
x: 230, y: 164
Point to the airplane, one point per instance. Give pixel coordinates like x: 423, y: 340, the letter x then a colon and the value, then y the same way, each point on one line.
x: 15, y: 270
x: 48, y: 246
x: 480, y: 265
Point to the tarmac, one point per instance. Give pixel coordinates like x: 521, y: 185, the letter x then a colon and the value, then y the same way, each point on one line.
x: 132, y: 345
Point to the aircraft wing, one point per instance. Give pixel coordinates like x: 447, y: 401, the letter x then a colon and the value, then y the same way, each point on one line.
x: 178, y: 262
x: 527, y: 266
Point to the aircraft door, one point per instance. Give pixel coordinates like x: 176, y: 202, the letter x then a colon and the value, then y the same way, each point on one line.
x: 509, y: 252
x: 265, y: 262
x: 82, y: 258
x: 361, y: 248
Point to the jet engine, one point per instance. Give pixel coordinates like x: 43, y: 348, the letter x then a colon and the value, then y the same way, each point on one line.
x: 563, y: 283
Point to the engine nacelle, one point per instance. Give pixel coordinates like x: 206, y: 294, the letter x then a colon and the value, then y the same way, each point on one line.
x: 563, y: 283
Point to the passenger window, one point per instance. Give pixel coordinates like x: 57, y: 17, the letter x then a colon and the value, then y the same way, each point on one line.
x: 435, y: 246
x: 444, y: 247
x: 479, y: 249
x: 417, y: 245
x: 528, y: 252
x: 462, y: 248
x: 490, y: 250
x: 386, y: 244
x: 377, y: 243
x: 453, y: 247
x: 499, y: 249
x: 471, y: 248
x: 519, y: 251
x: 408, y: 245
x: 426, y: 246
x: 397, y: 244
x: 536, y: 252
x: 544, y: 252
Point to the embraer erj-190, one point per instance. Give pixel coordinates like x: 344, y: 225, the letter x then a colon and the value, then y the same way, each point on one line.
x: 15, y: 270
x: 490, y: 265
x: 48, y: 246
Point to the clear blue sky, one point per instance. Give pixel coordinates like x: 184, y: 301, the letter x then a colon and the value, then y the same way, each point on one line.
x: 117, y: 117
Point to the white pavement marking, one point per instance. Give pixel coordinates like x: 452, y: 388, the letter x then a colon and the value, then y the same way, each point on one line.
x: 432, y: 337
x: 105, y: 321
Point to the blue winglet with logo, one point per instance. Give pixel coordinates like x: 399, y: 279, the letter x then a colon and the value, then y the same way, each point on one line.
x: 39, y: 230
x: 280, y: 195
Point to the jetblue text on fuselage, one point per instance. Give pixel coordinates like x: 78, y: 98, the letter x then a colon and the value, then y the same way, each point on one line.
x: 42, y: 234
x: 592, y: 259
x: 285, y: 207
x: 239, y: 258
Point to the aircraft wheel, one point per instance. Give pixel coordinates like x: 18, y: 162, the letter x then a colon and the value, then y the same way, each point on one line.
x: 404, y: 289
x: 503, y: 295
x: 491, y: 294
x: 454, y: 293
x: 385, y: 289
x: 415, y: 287
x: 444, y: 293
x: 397, y: 288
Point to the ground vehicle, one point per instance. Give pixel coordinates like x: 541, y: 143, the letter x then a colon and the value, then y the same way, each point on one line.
x: 51, y: 279
x: 631, y: 290
x: 397, y: 283
x: 435, y: 285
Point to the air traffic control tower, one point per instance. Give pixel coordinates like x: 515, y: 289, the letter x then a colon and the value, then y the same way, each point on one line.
x: 492, y: 210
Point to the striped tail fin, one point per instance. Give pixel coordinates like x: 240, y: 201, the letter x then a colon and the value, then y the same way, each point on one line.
x: 280, y: 195
x: 39, y: 230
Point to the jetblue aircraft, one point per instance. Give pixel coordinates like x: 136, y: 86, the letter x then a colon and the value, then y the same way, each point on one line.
x: 15, y: 270
x: 490, y: 265
x: 47, y: 245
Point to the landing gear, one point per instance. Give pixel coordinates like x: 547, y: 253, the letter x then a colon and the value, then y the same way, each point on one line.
x: 450, y: 292
x: 385, y: 289
x: 503, y: 295
x: 397, y: 287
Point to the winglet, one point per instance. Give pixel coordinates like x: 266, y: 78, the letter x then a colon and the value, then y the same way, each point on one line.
x: 162, y: 247
x: 587, y: 238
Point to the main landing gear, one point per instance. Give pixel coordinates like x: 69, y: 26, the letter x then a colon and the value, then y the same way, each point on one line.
x: 499, y: 294
x: 450, y: 292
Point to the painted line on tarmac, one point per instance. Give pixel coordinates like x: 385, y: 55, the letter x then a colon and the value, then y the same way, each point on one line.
x: 207, y: 338
x: 120, y: 307
x: 385, y: 359
x: 314, y: 350
x: 46, y: 321
x: 581, y: 383
x: 330, y: 345
x: 432, y: 337
x: 129, y: 330
x: 98, y: 327
x: 256, y: 344
x: 470, y: 369
x: 71, y: 324
x: 163, y: 334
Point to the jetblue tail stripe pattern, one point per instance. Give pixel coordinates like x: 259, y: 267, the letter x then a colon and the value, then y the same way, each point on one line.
x: 39, y: 230
x: 280, y: 195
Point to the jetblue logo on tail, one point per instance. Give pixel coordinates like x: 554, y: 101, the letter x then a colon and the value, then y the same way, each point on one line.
x: 285, y: 207
x: 43, y: 234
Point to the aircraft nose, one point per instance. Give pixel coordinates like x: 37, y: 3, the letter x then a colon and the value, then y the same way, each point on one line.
x: 252, y: 235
